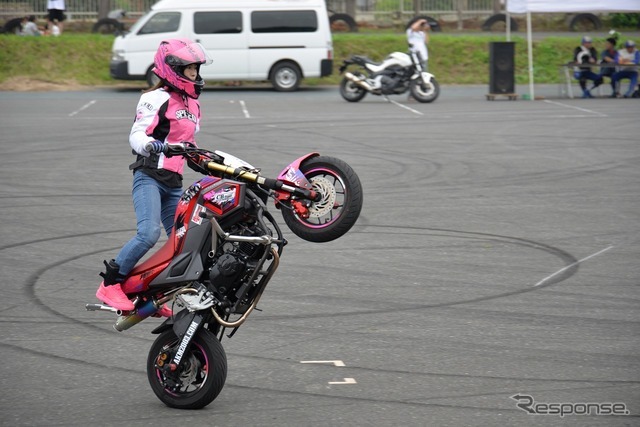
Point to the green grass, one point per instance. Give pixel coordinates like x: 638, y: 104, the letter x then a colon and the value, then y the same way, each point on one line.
x: 84, y: 58
x: 463, y: 59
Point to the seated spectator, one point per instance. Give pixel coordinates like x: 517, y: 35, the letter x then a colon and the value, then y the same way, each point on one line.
x: 584, y: 55
x: 29, y: 27
x: 610, y: 57
x: 117, y: 14
x: 55, y: 29
x: 627, y: 56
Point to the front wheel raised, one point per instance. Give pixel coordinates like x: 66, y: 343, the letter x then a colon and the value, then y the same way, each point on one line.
x: 202, y: 374
x: 339, y: 207
x: 425, y: 91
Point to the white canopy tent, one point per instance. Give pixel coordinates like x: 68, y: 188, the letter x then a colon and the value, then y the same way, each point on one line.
x: 566, y: 6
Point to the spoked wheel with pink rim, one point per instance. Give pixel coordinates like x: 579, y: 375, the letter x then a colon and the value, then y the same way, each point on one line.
x: 339, y: 206
x: 201, y: 374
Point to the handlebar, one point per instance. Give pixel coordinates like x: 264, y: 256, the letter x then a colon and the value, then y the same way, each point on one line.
x: 215, y: 163
x: 270, y: 183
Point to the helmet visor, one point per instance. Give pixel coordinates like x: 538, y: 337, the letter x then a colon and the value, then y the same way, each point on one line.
x: 193, y: 53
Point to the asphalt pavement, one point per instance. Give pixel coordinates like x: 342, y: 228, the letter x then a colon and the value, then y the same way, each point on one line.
x: 492, y: 278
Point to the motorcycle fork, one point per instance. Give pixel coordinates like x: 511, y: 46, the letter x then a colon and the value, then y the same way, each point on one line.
x: 185, y: 329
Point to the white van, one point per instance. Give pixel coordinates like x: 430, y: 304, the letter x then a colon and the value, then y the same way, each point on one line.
x: 278, y: 40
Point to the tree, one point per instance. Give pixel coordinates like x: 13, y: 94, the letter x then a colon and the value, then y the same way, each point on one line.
x: 104, y: 6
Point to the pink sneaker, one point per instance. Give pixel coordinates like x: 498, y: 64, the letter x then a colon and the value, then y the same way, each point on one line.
x: 164, y: 311
x: 115, y: 297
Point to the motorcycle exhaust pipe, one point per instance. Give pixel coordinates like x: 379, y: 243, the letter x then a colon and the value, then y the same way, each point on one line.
x: 100, y: 307
x: 360, y: 81
x: 147, y: 309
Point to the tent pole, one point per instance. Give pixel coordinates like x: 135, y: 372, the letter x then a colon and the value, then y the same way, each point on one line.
x: 508, y: 20
x: 530, y: 51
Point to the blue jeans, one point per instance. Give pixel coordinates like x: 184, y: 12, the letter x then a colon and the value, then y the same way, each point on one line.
x: 154, y: 203
x: 585, y: 75
x: 626, y: 74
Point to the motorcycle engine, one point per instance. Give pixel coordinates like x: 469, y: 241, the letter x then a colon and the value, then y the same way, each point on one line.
x: 226, y: 271
x: 392, y: 81
x: 232, y: 263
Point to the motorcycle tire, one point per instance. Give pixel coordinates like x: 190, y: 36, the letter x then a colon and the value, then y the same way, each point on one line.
x: 341, y: 22
x: 350, y: 91
x: 425, y: 93
x: 341, y: 202
x: 203, y: 375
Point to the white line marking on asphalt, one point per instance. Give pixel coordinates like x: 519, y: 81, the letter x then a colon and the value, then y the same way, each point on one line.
x: 84, y: 107
x: 405, y: 107
x: 332, y: 362
x: 577, y: 108
x: 346, y: 381
x: 572, y: 265
x: 244, y: 110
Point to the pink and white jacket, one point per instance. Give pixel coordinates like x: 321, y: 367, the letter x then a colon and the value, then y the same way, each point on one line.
x: 165, y: 116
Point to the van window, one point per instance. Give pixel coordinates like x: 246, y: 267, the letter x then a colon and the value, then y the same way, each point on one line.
x: 163, y: 22
x: 290, y: 21
x: 217, y: 22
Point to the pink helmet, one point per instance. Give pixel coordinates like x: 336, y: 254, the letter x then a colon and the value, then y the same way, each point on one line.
x: 171, y: 59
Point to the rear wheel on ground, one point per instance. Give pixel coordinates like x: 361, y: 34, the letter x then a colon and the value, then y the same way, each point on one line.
x: 351, y: 91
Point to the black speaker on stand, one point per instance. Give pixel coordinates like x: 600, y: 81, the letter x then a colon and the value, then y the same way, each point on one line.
x: 502, y: 69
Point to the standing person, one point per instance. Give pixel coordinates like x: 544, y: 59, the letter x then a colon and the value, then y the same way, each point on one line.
x: 166, y: 114
x: 584, y: 55
x: 610, y: 57
x: 628, y: 56
x: 418, y: 38
x: 56, y: 9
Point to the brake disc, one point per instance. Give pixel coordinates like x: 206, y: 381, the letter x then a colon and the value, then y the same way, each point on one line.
x: 324, y: 187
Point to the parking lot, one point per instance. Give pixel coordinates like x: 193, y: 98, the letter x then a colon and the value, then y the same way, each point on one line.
x: 496, y: 256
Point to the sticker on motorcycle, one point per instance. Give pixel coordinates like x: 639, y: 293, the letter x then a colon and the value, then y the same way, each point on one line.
x: 196, y: 218
x: 222, y: 199
x: 296, y: 177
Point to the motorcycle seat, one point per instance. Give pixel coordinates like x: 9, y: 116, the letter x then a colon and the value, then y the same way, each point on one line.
x: 359, y: 59
x: 375, y: 67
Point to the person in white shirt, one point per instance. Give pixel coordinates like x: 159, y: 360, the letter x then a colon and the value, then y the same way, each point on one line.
x: 418, y: 37
x: 29, y: 27
x: 56, y: 9
x: 628, y: 56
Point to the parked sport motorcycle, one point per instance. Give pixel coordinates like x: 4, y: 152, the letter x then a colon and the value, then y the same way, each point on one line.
x: 224, y: 248
x: 395, y: 75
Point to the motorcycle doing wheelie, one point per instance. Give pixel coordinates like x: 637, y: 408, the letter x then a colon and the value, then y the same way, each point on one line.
x: 398, y: 73
x: 224, y: 248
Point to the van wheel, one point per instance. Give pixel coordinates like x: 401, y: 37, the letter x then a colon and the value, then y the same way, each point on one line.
x: 285, y: 77
x: 152, y: 79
